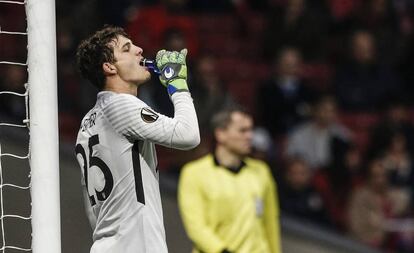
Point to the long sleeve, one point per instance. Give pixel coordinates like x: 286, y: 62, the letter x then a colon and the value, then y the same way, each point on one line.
x: 272, y: 216
x: 133, y: 119
x: 192, y: 206
x: 186, y: 130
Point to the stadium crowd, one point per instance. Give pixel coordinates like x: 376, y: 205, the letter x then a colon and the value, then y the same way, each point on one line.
x: 329, y: 82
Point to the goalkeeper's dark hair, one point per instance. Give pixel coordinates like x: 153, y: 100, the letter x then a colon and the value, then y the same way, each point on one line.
x: 222, y: 118
x: 96, y: 50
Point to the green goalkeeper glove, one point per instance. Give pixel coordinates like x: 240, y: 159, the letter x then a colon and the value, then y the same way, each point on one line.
x: 173, y: 70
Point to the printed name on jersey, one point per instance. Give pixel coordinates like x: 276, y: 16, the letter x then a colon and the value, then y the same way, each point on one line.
x: 88, y: 122
x: 148, y: 115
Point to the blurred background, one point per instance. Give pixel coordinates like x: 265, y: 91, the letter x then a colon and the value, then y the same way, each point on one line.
x: 329, y: 83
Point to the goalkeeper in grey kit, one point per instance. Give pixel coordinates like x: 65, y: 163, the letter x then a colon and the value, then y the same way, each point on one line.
x: 115, y: 146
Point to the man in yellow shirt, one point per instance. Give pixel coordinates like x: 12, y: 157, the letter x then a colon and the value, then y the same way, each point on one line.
x: 228, y: 201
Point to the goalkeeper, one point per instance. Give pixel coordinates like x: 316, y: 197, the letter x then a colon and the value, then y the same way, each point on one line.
x: 115, y: 146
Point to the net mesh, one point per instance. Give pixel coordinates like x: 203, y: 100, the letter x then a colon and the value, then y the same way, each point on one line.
x: 10, y: 185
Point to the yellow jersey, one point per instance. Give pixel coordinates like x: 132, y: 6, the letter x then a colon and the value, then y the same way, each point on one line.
x: 229, y: 209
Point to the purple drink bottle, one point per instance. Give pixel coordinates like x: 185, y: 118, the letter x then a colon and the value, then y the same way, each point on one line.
x: 150, y: 64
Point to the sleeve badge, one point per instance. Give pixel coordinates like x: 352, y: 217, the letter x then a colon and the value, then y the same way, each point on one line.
x: 148, y: 115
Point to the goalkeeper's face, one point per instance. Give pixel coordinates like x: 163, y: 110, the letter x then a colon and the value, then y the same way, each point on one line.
x: 127, y: 58
x: 237, y: 136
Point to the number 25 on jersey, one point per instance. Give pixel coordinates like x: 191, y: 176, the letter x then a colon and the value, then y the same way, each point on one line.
x: 95, y: 161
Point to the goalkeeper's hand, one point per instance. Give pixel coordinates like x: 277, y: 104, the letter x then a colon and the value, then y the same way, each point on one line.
x: 173, y: 70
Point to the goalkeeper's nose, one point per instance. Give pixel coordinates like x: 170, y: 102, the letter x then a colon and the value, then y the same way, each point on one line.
x: 138, y: 50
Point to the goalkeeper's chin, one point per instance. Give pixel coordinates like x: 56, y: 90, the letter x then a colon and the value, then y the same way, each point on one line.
x: 143, y: 78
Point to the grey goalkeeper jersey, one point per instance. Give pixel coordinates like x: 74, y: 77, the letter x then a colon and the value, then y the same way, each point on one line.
x: 116, y: 153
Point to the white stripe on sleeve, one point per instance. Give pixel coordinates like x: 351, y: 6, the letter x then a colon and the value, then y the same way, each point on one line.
x: 134, y: 119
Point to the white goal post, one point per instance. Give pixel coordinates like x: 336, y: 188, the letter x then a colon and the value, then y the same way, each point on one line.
x: 44, y: 143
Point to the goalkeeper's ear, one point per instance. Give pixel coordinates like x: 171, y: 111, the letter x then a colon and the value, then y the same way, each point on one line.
x: 109, y: 69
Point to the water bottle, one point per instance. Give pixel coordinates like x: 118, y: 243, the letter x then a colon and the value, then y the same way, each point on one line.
x: 150, y: 64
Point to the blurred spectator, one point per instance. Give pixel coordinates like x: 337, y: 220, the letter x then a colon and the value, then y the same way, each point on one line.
x: 174, y: 39
x: 364, y: 82
x: 298, y: 197
x: 377, y: 16
x: 148, y: 25
x: 303, y: 24
x: 70, y: 98
x: 336, y: 182
x: 209, y: 92
x: 373, y: 204
x: 399, y: 164
x: 396, y: 119
x: 283, y: 100
x: 65, y: 41
x: 380, y: 18
x: 311, y: 140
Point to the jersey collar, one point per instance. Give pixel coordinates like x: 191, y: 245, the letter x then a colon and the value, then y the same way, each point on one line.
x: 231, y: 169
